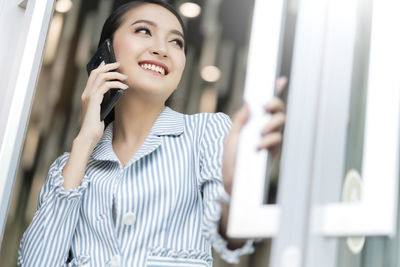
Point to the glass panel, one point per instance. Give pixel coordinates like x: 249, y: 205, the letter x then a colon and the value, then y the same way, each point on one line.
x: 377, y: 251
x: 272, y: 175
x: 355, y: 135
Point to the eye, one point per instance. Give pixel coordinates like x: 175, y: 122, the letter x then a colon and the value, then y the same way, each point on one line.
x: 178, y: 42
x: 143, y: 30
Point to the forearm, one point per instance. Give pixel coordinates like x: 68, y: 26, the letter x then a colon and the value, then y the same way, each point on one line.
x: 75, y: 168
x: 54, y: 221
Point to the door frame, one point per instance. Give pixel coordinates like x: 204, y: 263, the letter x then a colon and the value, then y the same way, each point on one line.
x: 34, y: 18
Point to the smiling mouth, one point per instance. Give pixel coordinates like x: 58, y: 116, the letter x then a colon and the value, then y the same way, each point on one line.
x: 153, y: 67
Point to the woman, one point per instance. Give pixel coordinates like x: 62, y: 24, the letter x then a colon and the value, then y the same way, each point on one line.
x: 145, y: 191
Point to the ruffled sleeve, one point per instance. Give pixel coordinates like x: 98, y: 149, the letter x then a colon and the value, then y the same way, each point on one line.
x: 48, y: 238
x: 213, y: 191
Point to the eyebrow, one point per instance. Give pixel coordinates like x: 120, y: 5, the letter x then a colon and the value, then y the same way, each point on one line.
x: 154, y: 24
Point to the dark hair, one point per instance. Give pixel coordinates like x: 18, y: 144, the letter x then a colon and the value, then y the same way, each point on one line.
x: 114, y: 21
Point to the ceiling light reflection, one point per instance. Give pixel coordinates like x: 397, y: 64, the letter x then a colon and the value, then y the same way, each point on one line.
x: 63, y: 6
x: 210, y: 73
x: 190, y: 10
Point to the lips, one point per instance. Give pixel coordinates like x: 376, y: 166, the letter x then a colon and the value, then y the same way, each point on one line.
x: 155, y: 66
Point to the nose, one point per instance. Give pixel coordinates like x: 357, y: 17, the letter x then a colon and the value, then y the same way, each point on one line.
x: 159, y: 53
x: 159, y: 48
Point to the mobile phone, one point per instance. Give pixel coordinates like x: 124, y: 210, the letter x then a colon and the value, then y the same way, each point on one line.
x: 105, y: 53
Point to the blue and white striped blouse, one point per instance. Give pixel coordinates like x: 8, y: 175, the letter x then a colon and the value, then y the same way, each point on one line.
x: 161, y: 209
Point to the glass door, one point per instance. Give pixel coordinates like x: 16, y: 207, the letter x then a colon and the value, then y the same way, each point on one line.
x: 348, y: 202
x: 370, y: 250
x: 338, y: 186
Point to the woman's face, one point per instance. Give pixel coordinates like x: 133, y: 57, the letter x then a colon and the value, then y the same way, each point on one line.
x: 149, y: 45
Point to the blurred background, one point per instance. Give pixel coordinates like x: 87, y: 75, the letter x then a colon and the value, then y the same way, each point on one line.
x: 217, y: 35
x: 333, y: 43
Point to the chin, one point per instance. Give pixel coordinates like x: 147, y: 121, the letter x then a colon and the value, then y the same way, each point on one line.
x: 150, y: 90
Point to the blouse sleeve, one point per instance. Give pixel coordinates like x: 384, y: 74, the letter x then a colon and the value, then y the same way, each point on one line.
x: 212, y: 187
x: 48, y: 238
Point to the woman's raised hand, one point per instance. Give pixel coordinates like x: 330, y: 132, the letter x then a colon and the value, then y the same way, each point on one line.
x: 100, y: 81
x: 270, y: 137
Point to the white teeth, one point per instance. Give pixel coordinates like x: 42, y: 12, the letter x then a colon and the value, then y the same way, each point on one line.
x: 160, y: 70
x: 153, y: 67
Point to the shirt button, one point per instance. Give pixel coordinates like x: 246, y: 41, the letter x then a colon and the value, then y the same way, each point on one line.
x: 128, y: 218
x: 115, y: 261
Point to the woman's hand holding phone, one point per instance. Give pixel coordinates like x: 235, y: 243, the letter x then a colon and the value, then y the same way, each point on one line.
x: 100, y: 81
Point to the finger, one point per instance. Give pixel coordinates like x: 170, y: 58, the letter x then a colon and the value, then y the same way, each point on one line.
x: 240, y: 118
x: 112, y: 75
x: 112, y: 84
x: 97, y: 70
x: 280, y: 85
x: 100, y: 77
x: 276, y: 123
x: 109, y: 67
x: 101, y: 69
x: 270, y: 141
x: 275, y: 105
x: 104, y: 68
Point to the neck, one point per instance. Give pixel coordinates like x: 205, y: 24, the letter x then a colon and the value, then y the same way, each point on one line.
x: 134, y: 118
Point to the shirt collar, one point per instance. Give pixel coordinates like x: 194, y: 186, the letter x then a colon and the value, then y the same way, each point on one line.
x: 169, y: 122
